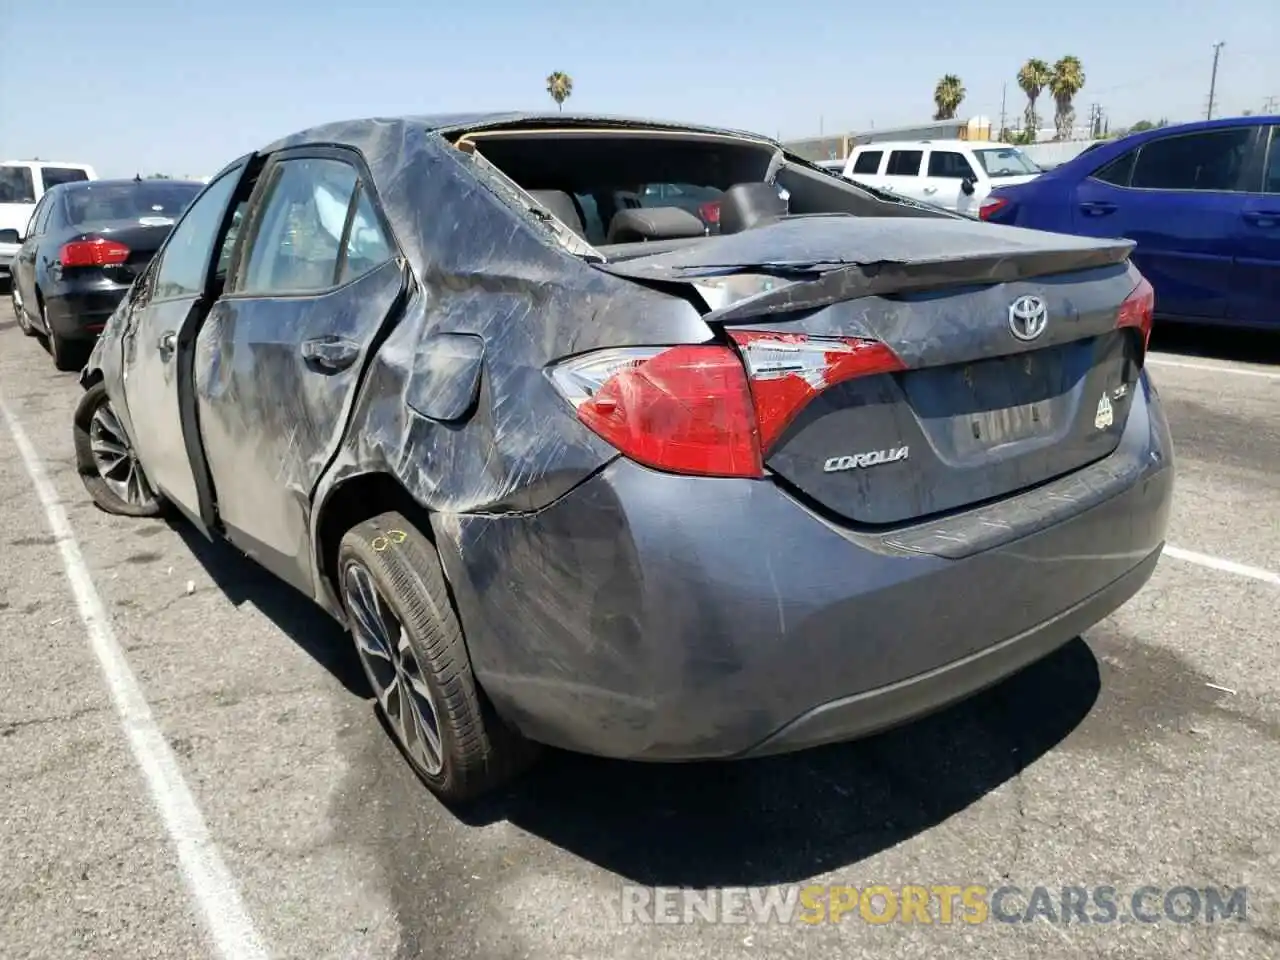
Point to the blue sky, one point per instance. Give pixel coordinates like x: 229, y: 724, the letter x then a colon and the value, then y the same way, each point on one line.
x: 181, y: 88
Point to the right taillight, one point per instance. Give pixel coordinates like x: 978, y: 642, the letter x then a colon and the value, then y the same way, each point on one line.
x: 991, y: 206
x: 706, y: 409
x: 96, y: 252
x: 1138, y: 311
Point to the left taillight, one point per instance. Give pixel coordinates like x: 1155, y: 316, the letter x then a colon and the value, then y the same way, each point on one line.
x: 707, y: 409
x: 710, y: 212
x: 1138, y: 311
x: 991, y: 206
x: 680, y: 409
x: 787, y: 371
x: 97, y: 252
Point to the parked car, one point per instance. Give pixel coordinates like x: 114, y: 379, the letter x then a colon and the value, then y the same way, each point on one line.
x: 667, y: 496
x: 952, y: 174
x: 22, y: 184
x: 86, y: 243
x: 1201, y: 200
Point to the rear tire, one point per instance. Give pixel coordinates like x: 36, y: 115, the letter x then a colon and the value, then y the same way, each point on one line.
x: 68, y: 355
x: 411, y: 647
x: 108, y: 465
x: 19, y: 312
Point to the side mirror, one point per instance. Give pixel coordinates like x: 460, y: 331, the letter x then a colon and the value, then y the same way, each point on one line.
x: 10, y: 236
x: 966, y: 187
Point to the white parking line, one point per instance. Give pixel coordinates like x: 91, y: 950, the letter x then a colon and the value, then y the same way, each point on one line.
x: 1226, y: 566
x: 210, y: 881
x: 1214, y: 368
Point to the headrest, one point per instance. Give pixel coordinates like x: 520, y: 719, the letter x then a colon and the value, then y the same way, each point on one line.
x: 747, y: 205
x: 654, y: 223
x: 561, y: 206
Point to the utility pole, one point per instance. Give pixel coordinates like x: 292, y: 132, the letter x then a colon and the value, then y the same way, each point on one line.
x: 1213, y: 79
x: 1004, y: 89
x: 1269, y: 105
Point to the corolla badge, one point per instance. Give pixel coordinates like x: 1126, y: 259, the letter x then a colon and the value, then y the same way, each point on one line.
x: 870, y: 458
x: 1028, y: 316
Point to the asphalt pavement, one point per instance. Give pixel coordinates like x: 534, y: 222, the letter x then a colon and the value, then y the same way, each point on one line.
x: 1145, y: 755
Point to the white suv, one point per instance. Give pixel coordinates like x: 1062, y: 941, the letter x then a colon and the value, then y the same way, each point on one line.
x: 22, y: 184
x: 953, y: 174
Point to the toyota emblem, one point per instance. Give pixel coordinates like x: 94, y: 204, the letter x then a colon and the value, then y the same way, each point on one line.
x: 1028, y: 316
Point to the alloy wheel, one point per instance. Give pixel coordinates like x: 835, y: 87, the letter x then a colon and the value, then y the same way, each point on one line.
x: 393, y: 669
x: 116, y: 460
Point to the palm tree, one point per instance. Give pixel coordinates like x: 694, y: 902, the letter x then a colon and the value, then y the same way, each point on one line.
x: 947, y: 96
x: 1032, y: 78
x: 1067, y: 79
x: 560, y: 87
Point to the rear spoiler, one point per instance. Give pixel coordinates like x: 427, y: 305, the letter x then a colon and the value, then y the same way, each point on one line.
x: 736, y: 292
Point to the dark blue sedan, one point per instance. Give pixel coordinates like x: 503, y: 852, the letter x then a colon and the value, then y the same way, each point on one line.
x: 1201, y: 200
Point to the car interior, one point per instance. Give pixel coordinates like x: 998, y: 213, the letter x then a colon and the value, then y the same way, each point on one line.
x: 618, y: 189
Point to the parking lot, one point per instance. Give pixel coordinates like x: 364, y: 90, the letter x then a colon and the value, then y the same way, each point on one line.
x: 1146, y: 754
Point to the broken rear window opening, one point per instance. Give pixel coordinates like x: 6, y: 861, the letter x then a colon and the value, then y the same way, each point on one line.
x: 625, y: 190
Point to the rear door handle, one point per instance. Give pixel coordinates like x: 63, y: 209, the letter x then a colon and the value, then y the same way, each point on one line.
x: 1097, y: 208
x: 930, y: 189
x: 1263, y: 218
x: 330, y: 354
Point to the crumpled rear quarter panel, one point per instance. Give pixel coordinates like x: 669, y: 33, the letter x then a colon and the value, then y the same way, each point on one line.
x: 482, y: 269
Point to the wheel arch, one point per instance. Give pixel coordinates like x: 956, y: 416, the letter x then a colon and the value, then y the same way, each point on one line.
x: 349, y: 502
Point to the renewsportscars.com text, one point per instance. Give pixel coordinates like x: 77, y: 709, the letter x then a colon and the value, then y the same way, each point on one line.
x: 935, y: 904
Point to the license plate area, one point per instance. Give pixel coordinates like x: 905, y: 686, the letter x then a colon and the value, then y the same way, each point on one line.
x: 968, y: 410
x: 993, y: 428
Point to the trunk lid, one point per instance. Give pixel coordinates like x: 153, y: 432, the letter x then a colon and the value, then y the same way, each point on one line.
x: 975, y: 411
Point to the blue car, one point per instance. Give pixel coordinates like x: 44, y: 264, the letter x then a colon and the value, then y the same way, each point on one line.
x: 1201, y: 200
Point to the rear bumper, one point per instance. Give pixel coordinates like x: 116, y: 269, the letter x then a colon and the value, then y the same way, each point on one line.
x: 867, y: 713
x: 656, y: 617
x: 79, y: 312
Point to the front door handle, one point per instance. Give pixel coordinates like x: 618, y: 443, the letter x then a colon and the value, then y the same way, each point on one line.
x: 1263, y: 218
x: 930, y: 189
x: 167, y: 343
x: 330, y: 354
x: 1097, y: 208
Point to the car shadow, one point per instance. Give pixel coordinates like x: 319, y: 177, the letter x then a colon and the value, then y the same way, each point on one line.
x: 1220, y: 343
x: 243, y: 581
x: 743, y: 823
x: 785, y: 819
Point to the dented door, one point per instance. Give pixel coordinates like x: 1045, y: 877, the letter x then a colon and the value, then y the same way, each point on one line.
x: 280, y: 357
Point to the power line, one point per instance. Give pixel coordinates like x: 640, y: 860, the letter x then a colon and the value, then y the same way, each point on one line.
x: 1213, y: 78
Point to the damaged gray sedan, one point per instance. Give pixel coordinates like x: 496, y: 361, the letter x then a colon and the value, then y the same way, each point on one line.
x: 781, y: 464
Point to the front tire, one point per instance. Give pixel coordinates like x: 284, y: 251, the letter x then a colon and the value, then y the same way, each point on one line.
x: 107, y: 462
x: 411, y: 647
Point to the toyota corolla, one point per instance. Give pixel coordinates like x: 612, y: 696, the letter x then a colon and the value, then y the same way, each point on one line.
x: 574, y: 472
